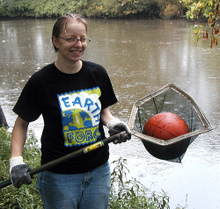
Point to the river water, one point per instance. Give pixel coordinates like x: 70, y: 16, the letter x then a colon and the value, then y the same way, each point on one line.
x: 141, y: 56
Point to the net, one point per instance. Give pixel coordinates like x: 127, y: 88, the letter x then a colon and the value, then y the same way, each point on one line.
x: 169, y: 98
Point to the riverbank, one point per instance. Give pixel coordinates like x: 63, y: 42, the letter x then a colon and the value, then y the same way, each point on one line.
x: 94, y: 8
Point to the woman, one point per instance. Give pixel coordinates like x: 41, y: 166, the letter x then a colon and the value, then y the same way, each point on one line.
x: 73, y: 97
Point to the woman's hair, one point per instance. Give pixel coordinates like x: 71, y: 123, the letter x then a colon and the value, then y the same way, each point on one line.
x: 61, y: 23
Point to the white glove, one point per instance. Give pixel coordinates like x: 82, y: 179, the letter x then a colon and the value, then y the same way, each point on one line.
x: 116, y: 126
x: 19, y: 172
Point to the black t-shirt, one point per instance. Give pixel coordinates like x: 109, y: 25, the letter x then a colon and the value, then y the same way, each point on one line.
x: 70, y: 105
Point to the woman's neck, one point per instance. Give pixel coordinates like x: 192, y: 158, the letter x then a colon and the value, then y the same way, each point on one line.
x: 69, y: 68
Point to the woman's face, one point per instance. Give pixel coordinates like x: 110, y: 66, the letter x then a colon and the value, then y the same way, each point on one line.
x: 70, y: 48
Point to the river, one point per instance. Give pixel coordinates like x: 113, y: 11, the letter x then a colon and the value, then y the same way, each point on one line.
x: 141, y: 56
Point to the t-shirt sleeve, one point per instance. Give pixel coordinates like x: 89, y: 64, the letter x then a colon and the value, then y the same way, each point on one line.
x: 108, y: 96
x: 28, y: 104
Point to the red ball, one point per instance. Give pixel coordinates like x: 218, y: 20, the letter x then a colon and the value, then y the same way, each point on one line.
x: 165, y: 125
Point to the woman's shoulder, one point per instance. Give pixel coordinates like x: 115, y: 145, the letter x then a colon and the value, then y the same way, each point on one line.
x: 46, y: 70
x: 94, y: 67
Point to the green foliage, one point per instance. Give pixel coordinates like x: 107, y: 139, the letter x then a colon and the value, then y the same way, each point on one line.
x: 27, y: 195
x: 41, y: 8
x: 213, y: 30
x: 126, y: 8
x: 89, y: 8
x: 120, y: 8
x: 198, y: 30
x: 130, y: 193
x: 198, y: 9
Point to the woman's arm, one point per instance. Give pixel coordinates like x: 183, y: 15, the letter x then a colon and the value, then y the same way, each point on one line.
x: 106, y: 115
x: 18, y: 139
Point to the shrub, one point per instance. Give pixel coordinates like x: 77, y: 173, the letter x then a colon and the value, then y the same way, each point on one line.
x: 27, y: 194
x: 130, y: 193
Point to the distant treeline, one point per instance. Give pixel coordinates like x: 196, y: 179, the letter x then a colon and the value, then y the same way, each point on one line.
x: 92, y: 8
x: 104, y: 8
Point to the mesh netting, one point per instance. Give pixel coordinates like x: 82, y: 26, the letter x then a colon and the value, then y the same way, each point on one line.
x: 170, y: 98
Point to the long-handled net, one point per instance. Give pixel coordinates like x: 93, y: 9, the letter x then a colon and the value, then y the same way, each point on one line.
x: 169, y: 98
x: 67, y: 157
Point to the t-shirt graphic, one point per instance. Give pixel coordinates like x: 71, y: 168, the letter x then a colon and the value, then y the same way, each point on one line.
x: 80, y: 111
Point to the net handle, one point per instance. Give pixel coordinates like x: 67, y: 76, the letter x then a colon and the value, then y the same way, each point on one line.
x: 67, y: 157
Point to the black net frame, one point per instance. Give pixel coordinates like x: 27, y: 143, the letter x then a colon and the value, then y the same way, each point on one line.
x: 169, y: 98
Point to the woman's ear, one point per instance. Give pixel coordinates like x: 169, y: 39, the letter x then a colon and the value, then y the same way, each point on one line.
x: 55, y: 42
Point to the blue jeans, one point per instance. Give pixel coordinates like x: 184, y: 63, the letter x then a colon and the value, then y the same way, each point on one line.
x: 75, y: 191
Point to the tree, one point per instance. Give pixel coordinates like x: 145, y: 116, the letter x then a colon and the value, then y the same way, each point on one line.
x: 212, y: 31
x: 197, y: 9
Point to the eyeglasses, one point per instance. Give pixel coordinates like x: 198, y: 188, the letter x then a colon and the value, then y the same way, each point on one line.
x: 73, y: 40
